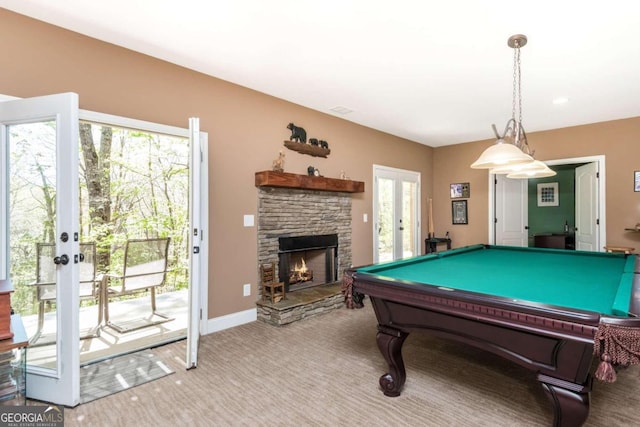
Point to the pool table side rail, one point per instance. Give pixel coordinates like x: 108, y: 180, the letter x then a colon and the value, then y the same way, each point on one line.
x: 489, y: 308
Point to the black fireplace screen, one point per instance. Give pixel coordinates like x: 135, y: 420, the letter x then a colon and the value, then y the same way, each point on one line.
x: 306, y: 261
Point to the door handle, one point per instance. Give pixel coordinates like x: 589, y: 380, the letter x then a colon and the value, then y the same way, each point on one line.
x: 62, y: 259
x: 401, y: 228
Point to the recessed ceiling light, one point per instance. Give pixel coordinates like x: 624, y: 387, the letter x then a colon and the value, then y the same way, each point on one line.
x: 341, y: 110
x: 560, y: 100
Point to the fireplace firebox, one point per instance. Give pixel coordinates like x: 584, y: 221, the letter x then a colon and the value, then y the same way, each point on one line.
x: 307, y: 261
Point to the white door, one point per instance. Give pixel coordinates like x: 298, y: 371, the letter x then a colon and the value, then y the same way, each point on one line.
x: 511, y: 211
x: 46, y: 128
x: 396, y: 209
x: 197, y: 143
x: 587, y: 207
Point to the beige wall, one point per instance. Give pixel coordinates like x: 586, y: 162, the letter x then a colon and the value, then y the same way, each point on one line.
x: 246, y: 130
x: 618, y: 141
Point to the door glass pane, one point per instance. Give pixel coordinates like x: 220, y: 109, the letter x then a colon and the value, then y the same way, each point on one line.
x: 32, y: 216
x: 385, y: 219
x: 409, y: 199
x: 133, y: 185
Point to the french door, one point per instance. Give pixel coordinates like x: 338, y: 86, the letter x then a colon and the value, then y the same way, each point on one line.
x: 197, y: 178
x: 40, y: 161
x: 396, y: 208
x: 42, y: 132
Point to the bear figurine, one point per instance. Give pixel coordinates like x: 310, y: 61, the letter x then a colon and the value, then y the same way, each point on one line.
x: 297, y: 133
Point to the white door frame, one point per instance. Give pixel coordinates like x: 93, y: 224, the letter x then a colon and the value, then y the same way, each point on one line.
x: 198, y: 303
x: 398, y: 175
x: 196, y: 239
x: 602, y: 196
x: 60, y: 385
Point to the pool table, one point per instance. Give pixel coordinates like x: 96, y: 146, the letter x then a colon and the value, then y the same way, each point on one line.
x: 549, y: 310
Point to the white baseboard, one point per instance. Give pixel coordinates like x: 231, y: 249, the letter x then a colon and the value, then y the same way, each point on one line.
x: 231, y: 320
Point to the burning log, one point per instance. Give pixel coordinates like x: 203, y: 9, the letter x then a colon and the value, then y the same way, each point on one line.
x: 300, y: 273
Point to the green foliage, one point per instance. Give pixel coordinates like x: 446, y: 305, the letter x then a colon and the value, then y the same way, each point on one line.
x: 148, y: 197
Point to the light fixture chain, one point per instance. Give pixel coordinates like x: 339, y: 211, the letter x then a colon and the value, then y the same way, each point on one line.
x: 519, y: 86
x: 515, y: 77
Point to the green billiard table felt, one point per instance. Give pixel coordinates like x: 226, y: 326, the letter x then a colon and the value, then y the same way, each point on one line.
x: 574, y: 279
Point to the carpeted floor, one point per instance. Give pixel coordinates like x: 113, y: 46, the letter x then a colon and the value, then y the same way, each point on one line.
x: 324, y: 372
x: 120, y: 373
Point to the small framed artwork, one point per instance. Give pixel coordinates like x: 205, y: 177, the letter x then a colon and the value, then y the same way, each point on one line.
x: 636, y: 181
x: 548, y: 194
x: 459, y: 212
x: 460, y: 190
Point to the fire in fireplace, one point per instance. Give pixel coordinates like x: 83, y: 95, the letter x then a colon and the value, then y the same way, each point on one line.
x: 301, y: 273
x: 307, y: 261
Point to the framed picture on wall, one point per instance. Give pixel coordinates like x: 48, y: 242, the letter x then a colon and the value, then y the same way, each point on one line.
x: 459, y: 212
x: 460, y: 190
x: 548, y: 194
x: 636, y: 181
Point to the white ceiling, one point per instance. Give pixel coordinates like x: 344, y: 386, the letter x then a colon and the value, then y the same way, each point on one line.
x: 435, y: 72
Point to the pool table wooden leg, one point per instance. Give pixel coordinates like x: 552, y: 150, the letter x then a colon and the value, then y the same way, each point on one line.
x: 570, y: 401
x: 390, y: 342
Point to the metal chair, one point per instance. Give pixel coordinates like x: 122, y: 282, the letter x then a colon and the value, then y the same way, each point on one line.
x: 45, y: 283
x: 145, y: 268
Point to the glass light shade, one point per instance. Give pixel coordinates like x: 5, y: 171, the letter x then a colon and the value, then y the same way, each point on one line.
x: 531, y: 166
x: 499, y: 155
x: 535, y: 169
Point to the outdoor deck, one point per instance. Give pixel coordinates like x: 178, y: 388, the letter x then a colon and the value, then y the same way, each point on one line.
x: 110, y: 342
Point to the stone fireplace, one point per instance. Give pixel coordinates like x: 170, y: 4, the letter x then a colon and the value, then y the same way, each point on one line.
x: 303, y: 223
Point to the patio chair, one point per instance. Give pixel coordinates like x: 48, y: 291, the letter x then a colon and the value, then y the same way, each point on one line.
x: 145, y: 268
x: 45, y: 284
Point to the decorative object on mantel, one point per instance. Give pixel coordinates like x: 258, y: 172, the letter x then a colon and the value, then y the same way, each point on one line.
x: 297, y: 133
x: 278, y: 164
x: 343, y: 175
x: 305, y: 182
x: 298, y: 142
x: 311, y: 171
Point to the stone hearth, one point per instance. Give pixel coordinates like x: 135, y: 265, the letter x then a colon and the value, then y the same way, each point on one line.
x: 302, y: 304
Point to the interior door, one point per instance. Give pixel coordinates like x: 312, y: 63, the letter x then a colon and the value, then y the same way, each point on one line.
x: 511, y: 211
x: 587, y: 236
x: 396, y: 212
x: 45, y: 131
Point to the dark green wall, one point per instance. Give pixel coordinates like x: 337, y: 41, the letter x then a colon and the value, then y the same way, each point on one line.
x: 545, y: 219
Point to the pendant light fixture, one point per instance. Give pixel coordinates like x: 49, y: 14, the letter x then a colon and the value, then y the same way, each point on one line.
x: 511, y: 154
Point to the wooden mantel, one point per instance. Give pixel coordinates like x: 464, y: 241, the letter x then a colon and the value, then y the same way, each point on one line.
x: 306, y: 182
